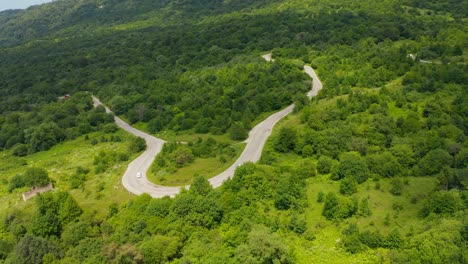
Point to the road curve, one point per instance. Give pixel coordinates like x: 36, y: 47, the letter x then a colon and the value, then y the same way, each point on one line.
x: 252, y: 152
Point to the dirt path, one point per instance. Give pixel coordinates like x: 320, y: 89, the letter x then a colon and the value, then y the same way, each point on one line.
x: 252, y: 152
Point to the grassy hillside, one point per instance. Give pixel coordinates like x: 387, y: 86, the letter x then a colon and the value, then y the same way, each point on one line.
x: 372, y: 170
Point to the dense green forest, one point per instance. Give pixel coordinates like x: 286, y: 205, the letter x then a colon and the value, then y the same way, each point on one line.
x: 372, y: 170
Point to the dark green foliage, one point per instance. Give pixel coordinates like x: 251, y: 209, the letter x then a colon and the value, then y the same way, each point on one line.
x: 352, y: 166
x: 193, y: 66
x: 34, y: 177
x: 69, y: 209
x: 320, y: 196
x: 338, y: 208
x: 42, y: 126
x: 461, y: 159
x: 160, y: 249
x: 102, y: 162
x: 439, y: 244
x: 73, y: 233
x: 453, y: 178
x: 20, y: 150
x: 86, y: 249
x: 286, y: 140
x: 355, y: 241
x: 443, y: 202
x: 393, y: 239
x: 238, y: 132
x: 363, y: 209
x: 384, y: 164
x: 263, y: 247
x: 371, y: 239
x: 348, y: 186
x: 324, y: 164
x: 176, y: 155
x: 306, y: 169
x: 54, y: 211
x: 15, y: 182
x: 196, y: 210
x: 31, y: 250
x: 138, y: 144
x: 46, y: 224
x: 43, y: 137
x: 434, y: 161
x: 200, y: 186
x: 159, y: 207
x: 396, y: 186
x: 5, y: 248
x: 297, y: 224
x: 78, y: 179
x: 182, y: 156
x: 290, y: 192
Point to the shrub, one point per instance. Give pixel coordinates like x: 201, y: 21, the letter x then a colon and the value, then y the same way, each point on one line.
x: 286, y: 140
x: 397, y: 186
x: 16, y: 181
x: 324, y: 164
x: 336, y: 208
x: 443, y: 202
x: 20, y: 150
x: 348, y: 186
x: 138, y: 144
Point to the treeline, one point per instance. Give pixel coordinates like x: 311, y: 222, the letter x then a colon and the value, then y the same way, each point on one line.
x: 392, y: 132
x: 41, y: 127
x: 147, y: 230
x: 216, y: 100
x: 152, y: 60
x: 411, y: 128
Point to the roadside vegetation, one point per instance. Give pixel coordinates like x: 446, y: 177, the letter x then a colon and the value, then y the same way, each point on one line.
x: 179, y: 163
x: 373, y: 169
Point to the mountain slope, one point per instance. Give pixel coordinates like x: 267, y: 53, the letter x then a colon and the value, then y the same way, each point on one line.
x: 374, y: 169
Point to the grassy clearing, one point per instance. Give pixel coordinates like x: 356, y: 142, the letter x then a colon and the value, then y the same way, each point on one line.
x: 61, y: 162
x: 325, y: 247
x: 207, y: 167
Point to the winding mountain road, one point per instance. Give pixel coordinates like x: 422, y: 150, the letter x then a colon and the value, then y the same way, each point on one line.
x: 252, y: 152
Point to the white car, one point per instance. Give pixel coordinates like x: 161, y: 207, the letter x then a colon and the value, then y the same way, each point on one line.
x: 138, y: 174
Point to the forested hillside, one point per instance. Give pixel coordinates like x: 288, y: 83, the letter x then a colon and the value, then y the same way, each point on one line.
x: 372, y: 170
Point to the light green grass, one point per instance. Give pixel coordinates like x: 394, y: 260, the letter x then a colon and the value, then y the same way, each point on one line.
x: 327, y: 247
x: 61, y: 161
x: 206, y: 167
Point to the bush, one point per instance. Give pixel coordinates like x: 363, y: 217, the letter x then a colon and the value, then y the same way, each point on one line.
x: 306, y: 169
x: 138, y: 144
x: 433, y: 162
x: 35, y: 177
x: 397, y: 186
x: 336, y: 208
x: 109, y: 128
x: 320, y: 196
x: 372, y: 239
x: 238, y: 132
x: 20, y: 150
x: 324, y: 164
x: 352, y: 165
x: 348, y: 186
x: 443, y: 202
x: 16, y: 181
x: 286, y: 140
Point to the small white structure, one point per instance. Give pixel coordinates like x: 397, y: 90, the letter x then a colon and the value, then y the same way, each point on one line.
x: 34, y: 191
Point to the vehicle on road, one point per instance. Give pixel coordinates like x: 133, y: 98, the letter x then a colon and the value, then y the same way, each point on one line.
x: 138, y: 175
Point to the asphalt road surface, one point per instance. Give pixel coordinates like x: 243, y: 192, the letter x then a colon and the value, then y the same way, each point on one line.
x: 252, y: 152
